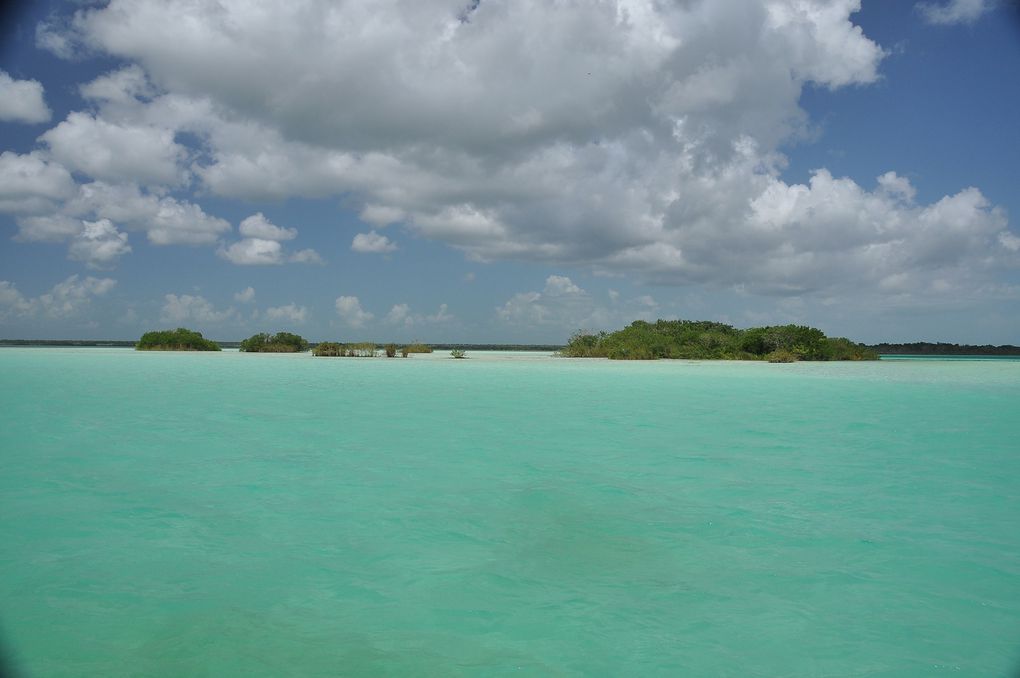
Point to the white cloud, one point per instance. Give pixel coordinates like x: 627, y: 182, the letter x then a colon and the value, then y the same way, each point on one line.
x: 559, y: 300
x: 373, y: 243
x: 401, y: 314
x: 188, y: 308
x: 30, y: 183
x: 253, y: 252
x: 114, y: 152
x: 381, y: 215
x: 245, y: 296
x: 954, y: 11
x: 561, y: 285
x: 123, y: 86
x: 72, y: 296
x: 636, y: 137
x: 563, y: 307
x: 350, y: 311
x: 99, y: 244
x: 165, y: 220
x: 54, y: 38
x: 69, y: 298
x: 22, y: 100
x: 257, y: 226
x: 261, y: 245
x: 12, y: 302
x: 289, y: 313
x: 306, y: 256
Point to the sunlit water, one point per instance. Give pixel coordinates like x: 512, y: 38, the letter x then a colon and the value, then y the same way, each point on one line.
x: 180, y: 514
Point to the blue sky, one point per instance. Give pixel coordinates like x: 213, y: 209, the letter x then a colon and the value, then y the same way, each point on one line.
x: 443, y: 170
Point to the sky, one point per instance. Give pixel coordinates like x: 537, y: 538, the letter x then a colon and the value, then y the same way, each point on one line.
x: 486, y: 171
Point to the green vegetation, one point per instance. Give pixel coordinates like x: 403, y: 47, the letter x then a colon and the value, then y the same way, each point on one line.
x: 281, y: 342
x: 942, y: 348
x: 331, y: 349
x: 418, y: 348
x: 707, y: 340
x: 458, y: 353
x: 181, y: 339
x: 391, y: 351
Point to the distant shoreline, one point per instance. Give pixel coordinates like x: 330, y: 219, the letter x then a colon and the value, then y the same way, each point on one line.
x: 915, y: 349
x: 118, y: 343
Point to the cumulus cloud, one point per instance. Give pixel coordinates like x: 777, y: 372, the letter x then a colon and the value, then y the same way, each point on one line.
x: 165, y: 220
x: 30, y: 183
x: 253, y: 252
x: 649, y: 147
x: 564, y: 306
x: 306, y: 256
x: 372, y: 243
x: 69, y: 298
x: 350, y: 311
x: 381, y: 215
x: 99, y: 244
x: 261, y: 245
x: 114, y: 152
x: 22, y: 100
x: 123, y: 86
x: 245, y: 296
x: 290, y: 313
x: 257, y: 226
x: 188, y: 308
x: 954, y: 11
x: 401, y: 314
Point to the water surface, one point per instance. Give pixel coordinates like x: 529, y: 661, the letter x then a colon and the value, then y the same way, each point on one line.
x: 175, y: 514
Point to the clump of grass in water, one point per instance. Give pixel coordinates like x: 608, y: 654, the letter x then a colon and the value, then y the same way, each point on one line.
x: 458, y: 353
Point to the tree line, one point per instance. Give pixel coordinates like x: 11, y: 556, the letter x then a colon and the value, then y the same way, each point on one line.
x: 708, y: 340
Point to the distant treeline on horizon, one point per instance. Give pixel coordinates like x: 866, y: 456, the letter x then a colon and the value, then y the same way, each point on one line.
x: 941, y: 348
x: 124, y: 343
x: 913, y: 348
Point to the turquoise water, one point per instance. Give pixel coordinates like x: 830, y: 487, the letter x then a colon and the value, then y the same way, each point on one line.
x: 166, y: 514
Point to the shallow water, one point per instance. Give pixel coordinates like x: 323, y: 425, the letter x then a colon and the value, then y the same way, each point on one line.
x: 175, y: 514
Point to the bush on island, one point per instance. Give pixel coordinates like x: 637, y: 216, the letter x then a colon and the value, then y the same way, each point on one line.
x: 418, y: 348
x: 281, y: 342
x: 781, y: 355
x: 333, y: 349
x: 707, y: 340
x: 458, y: 353
x: 181, y: 339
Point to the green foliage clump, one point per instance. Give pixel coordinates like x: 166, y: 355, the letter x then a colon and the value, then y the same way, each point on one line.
x: 708, y: 340
x: 418, y: 348
x: 391, y: 350
x: 181, y: 339
x: 281, y: 342
x: 781, y: 355
x: 334, y: 350
x: 458, y: 353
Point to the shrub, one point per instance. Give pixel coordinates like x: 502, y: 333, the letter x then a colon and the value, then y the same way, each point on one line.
x: 418, y: 348
x: 391, y: 350
x: 781, y: 355
x: 181, y: 339
x: 281, y: 342
x: 458, y: 353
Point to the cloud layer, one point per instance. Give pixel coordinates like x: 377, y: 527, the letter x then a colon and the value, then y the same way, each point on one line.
x: 625, y: 137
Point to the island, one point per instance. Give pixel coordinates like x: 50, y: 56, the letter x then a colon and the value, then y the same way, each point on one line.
x: 281, y: 342
x: 181, y: 339
x: 707, y: 340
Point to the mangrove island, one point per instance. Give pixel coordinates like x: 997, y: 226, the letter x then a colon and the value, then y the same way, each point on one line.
x: 181, y: 339
x: 707, y: 340
x: 281, y: 342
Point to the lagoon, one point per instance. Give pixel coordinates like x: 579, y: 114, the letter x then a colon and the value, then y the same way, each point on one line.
x: 230, y: 514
